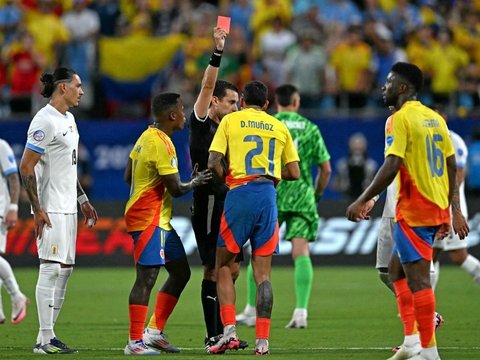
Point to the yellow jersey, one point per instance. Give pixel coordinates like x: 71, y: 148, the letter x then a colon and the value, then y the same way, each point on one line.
x: 150, y: 203
x: 255, y: 144
x: 419, y: 136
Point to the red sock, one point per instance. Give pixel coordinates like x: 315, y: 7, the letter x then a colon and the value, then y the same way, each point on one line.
x: 138, y: 315
x: 424, y: 304
x: 262, y: 328
x: 227, y: 314
x: 163, y: 308
x: 405, y: 305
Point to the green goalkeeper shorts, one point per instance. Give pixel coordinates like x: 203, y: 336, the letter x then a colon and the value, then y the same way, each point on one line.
x: 299, y: 224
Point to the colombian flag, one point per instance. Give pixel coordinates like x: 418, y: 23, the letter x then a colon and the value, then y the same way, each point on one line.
x: 130, y: 66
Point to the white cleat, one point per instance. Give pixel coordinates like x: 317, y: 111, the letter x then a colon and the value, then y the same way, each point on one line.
x: 138, y: 347
x: 158, y: 340
x: 406, y: 352
x: 247, y: 317
x: 261, y: 347
x: 19, y: 309
x: 299, y: 319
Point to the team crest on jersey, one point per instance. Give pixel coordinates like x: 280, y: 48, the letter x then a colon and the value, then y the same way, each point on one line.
x: 174, y: 162
x: 38, y: 135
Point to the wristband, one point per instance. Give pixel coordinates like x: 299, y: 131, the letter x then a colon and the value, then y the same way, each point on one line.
x: 215, y: 58
x: 13, y: 207
x: 82, y: 199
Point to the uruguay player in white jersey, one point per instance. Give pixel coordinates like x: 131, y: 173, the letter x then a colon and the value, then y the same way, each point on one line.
x: 49, y: 174
x: 9, y: 193
x: 452, y: 245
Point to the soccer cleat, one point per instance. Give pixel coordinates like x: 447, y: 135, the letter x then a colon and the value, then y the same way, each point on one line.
x: 64, y: 348
x: 261, y: 347
x: 158, y: 340
x: 246, y: 318
x: 47, y: 349
x: 214, y: 339
x: 439, y: 321
x: 138, y: 347
x: 228, y: 341
x: 299, y: 319
x: 19, y: 309
x: 406, y: 352
x: 36, y: 348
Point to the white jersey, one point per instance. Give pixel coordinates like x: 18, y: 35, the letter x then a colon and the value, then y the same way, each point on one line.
x: 55, y: 136
x: 461, y: 154
x: 8, y: 166
x: 391, y: 200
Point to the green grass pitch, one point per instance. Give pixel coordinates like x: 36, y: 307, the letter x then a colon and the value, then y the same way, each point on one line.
x: 351, y: 316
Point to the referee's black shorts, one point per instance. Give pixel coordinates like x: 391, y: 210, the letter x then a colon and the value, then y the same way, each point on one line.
x: 206, y: 215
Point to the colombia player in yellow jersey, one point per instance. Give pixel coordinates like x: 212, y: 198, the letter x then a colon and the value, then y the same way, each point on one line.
x: 418, y: 147
x: 256, y: 145
x: 152, y: 172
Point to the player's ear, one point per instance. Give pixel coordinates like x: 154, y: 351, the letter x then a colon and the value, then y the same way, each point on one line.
x: 265, y: 106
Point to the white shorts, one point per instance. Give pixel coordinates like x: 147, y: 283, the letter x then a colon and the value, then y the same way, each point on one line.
x: 58, y: 243
x: 385, y: 242
x: 451, y: 242
x: 3, y: 236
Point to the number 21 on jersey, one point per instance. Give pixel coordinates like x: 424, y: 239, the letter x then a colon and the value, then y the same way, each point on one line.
x: 258, y: 150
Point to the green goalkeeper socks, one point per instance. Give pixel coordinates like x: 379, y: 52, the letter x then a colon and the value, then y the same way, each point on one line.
x: 251, y: 287
x: 303, y: 281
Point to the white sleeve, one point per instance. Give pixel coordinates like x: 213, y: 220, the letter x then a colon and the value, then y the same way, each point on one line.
x: 461, y: 151
x: 40, y: 133
x: 8, y: 165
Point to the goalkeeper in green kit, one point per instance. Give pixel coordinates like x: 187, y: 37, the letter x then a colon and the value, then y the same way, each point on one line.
x: 297, y: 204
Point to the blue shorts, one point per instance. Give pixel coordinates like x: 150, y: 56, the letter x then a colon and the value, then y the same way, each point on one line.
x: 413, y: 243
x: 250, y: 212
x: 155, y: 246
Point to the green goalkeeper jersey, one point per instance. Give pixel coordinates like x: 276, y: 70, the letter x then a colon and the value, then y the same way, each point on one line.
x: 299, y: 195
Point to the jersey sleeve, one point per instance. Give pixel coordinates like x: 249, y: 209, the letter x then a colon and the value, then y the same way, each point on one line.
x: 219, y: 142
x: 289, y: 153
x: 40, y: 133
x: 396, y: 136
x: 163, y: 155
x: 8, y: 165
x: 461, y: 151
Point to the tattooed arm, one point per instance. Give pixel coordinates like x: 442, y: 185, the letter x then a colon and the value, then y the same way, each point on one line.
x: 27, y: 165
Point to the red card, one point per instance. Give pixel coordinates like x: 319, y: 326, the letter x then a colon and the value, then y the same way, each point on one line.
x: 224, y: 23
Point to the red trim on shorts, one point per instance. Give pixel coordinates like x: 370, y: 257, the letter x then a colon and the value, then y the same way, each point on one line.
x: 228, y: 237
x: 423, y: 248
x: 269, y: 247
x: 142, y: 241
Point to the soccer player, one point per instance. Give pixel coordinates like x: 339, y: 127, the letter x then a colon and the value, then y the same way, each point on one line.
x: 49, y: 173
x: 418, y: 147
x: 152, y: 172
x: 9, y: 194
x: 297, y: 203
x: 255, y: 145
x: 216, y: 99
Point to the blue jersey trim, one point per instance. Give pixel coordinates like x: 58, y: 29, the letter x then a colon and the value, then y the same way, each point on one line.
x: 35, y: 148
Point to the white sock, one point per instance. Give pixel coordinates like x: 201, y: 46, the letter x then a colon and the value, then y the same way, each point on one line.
x: 430, y: 353
x: 300, y: 313
x: 44, y: 294
x: 434, y: 274
x: 9, y: 281
x: 60, y: 290
x: 472, y: 266
x: 411, y: 340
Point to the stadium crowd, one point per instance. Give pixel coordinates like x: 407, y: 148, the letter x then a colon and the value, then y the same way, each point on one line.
x: 336, y: 52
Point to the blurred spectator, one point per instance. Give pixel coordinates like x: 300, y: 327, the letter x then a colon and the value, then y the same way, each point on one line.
x: 342, y: 12
x: 24, y: 64
x: 167, y: 18
x: 47, y: 30
x: 446, y: 63
x: 473, y: 163
x: 305, y: 68
x: 83, y: 25
x: 373, y: 11
x: 404, y: 19
x: 355, y: 171
x: 274, y: 44
x: 351, y: 60
x: 84, y: 169
x: 108, y: 12
x: 10, y: 20
x: 241, y: 12
x: 141, y: 22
